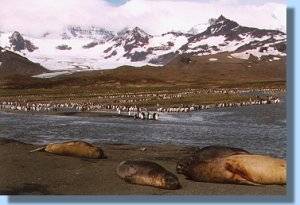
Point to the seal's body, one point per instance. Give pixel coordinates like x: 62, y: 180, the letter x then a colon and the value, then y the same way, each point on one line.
x: 240, y: 169
x: 147, y: 173
x: 215, y: 151
x: 207, y: 153
x: 75, y: 149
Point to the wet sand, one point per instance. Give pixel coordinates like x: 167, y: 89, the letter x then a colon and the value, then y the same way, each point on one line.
x: 39, y: 173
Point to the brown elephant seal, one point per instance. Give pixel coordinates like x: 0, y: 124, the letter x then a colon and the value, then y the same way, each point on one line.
x: 147, y: 173
x: 74, y: 149
x: 206, y: 153
x: 239, y: 169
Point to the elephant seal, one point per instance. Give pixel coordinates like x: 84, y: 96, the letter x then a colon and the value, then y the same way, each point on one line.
x: 147, y: 173
x: 74, y: 149
x: 206, y: 153
x: 239, y: 169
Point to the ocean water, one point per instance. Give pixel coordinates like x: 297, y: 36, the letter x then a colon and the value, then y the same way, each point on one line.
x: 259, y: 129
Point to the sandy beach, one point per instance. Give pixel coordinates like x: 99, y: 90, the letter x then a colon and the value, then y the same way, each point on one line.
x: 42, y: 173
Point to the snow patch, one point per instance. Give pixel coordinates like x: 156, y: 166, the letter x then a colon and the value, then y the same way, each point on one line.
x: 276, y: 58
x: 257, y: 53
x: 244, y: 56
x: 213, y: 59
x: 212, y: 41
x: 199, y: 28
x: 52, y: 75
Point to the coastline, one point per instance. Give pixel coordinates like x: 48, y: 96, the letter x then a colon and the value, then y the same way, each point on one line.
x: 42, y: 173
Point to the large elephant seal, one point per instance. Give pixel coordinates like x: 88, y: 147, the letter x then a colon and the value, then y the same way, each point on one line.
x: 74, y: 149
x: 239, y: 169
x: 147, y: 173
x: 206, y: 153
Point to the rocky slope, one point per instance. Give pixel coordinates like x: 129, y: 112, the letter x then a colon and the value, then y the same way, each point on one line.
x: 14, y: 64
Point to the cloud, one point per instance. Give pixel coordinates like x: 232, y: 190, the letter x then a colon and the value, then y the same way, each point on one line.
x: 155, y: 16
x: 33, y: 15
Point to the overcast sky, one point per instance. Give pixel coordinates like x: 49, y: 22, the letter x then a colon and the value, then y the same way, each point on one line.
x: 154, y: 16
x: 256, y: 2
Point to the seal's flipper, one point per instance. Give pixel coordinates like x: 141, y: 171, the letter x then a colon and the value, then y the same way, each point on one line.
x: 38, y: 149
x: 240, y: 175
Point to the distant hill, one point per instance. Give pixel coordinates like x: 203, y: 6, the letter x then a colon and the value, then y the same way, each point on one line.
x: 14, y: 64
x: 214, y: 71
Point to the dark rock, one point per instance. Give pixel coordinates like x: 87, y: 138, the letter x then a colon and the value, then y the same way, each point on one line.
x: 137, y: 56
x: 112, y: 54
x: 282, y: 47
x: 163, y: 59
x: 63, y: 47
x: 90, y: 45
x: 18, y: 43
x: 108, y: 49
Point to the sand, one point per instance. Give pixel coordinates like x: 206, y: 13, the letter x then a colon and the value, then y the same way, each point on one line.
x: 41, y: 173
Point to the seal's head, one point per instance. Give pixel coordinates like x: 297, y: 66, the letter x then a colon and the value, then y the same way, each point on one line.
x: 184, y: 164
x: 147, y: 173
x: 171, y: 181
x: 100, y: 154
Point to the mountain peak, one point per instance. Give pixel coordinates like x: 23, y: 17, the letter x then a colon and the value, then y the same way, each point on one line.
x: 225, y: 21
x: 221, y: 26
x: 16, y: 36
x: 141, y: 32
x: 221, y: 18
x: 18, y: 43
x: 135, y: 32
x: 137, y: 29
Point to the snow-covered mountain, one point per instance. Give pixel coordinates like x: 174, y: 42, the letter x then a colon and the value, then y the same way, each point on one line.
x: 91, y: 32
x: 225, y: 35
x: 81, y: 48
x: 199, y: 28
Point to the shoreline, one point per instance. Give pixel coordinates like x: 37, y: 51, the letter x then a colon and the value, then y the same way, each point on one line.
x: 42, y: 173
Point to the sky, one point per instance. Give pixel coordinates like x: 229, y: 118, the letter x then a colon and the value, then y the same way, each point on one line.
x: 120, y: 2
x: 154, y: 16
